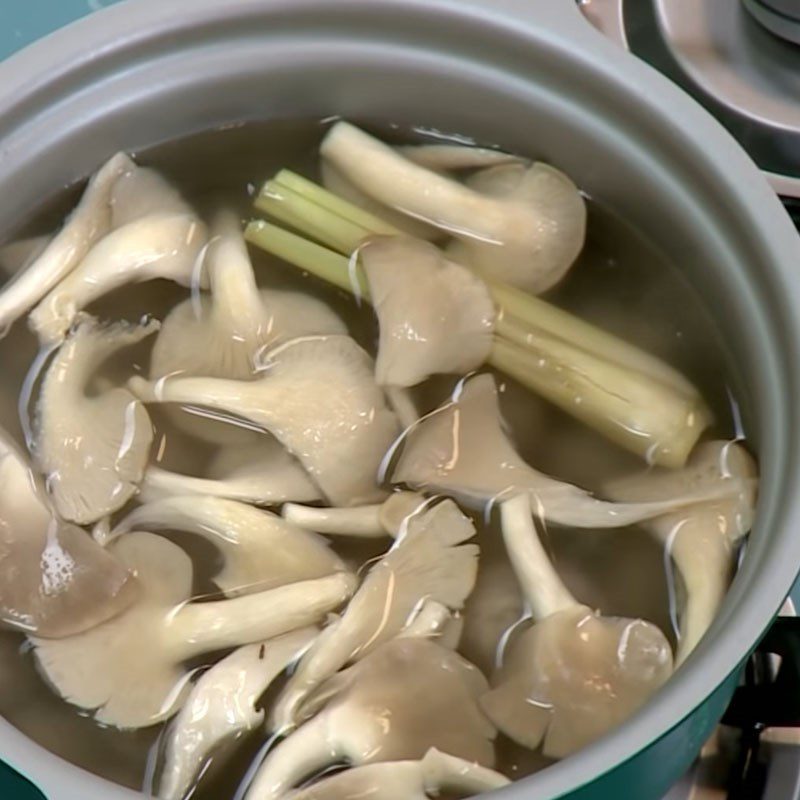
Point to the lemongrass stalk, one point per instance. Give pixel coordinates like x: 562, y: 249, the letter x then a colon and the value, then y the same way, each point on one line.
x: 632, y: 397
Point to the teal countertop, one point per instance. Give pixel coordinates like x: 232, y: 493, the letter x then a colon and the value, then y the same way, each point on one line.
x: 24, y: 21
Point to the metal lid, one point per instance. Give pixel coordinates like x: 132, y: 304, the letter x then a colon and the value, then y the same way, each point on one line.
x: 728, y: 61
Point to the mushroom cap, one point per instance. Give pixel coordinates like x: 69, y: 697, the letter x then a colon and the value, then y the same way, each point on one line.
x: 435, y: 316
x: 156, y: 246
x: 428, y: 562
x: 222, y: 706
x: 429, y: 693
x: 190, y: 343
x: 701, y: 538
x: 318, y: 397
x: 260, y: 550
x: 551, y: 233
x: 142, y: 191
x: 93, y: 450
x: 574, y: 676
x: 386, y: 780
x: 54, y: 580
x: 109, y: 668
x: 130, y: 670
x: 462, y: 449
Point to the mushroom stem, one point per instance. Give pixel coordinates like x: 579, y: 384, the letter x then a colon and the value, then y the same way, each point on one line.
x: 403, y: 405
x: 361, y: 521
x: 232, y: 282
x: 306, y: 751
x: 443, y: 773
x: 399, y: 183
x: 204, y: 627
x: 89, y: 222
x: 541, y: 584
x: 430, y: 621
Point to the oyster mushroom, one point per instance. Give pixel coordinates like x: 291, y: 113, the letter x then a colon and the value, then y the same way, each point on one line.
x: 155, y: 246
x: 573, y: 675
x: 92, y: 449
x: 318, y: 397
x: 435, y: 316
x: 452, y: 157
x: 223, y: 334
x: 222, y: 707
x: 377, y: 520
x: 263, y: 473
x: 461, y: 449
x: 142, y: 191
x: 528, y: 237
x: 88, y: 223
x: 436, y: 774
x: 409, y: 695
x: 701, y: 539
x: 337, y: 184
x: 429, y: 562
x: 54, y: 580
x: 130, y: 670
x: 259, y: 549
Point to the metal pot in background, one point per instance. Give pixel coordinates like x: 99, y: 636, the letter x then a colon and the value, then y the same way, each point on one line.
x: 535, y: 78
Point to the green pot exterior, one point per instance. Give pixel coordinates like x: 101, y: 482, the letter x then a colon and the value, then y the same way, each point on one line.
x: 662, y: 763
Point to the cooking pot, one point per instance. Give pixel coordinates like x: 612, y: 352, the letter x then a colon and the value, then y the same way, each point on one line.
x: 533, y: 77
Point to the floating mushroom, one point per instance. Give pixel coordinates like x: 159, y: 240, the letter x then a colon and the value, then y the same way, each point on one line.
x: 449, y: 157
x: 573, y: 675
x: 409, y: 695
x: 461, y: 449
x: 701, y: 539
x: 435, y: 316
x: 222, y: 707
x: 528, y: 237
x: 435, y: 775
x: 88, y: 223
x: 155, y: 246
x: 428, y: 562
x: 259, y: 549
x: 130, y: 670
x: 92, y: 449
x: 54, y: 580
x: 221, y: 335
x: 318, y: 397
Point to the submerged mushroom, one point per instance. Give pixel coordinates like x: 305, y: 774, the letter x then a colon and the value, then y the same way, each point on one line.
x: 155, y: 246
x: 435, y: 316
x: 92, y: 448
x: 141, y: 192
x: 376, y: 520
x: 461, y: 449
x: 428, y: 562
x: 450, y: 157
x: 130, y: 670
x: 409, y: 695
x: 436, y: 774
x: 573, y: 675
x: 88, y: 223
x: 701, y: 539
x: 221, y: 335
x: 54, y: 580
x: 335, y: 182
x: 263, y: 473
x: 528, y: 236
x: 318, y: 397
x: 222, y: 707
x: 259, y: 549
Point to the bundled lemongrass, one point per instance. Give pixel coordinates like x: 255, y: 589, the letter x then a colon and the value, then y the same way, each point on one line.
x: 630, y: 396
